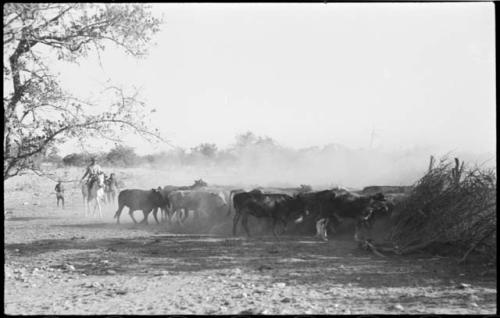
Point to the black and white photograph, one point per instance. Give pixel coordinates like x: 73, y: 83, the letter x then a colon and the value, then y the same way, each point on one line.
x: 250, y: 158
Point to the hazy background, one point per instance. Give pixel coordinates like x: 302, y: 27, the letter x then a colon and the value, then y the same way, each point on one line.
x: 376, y: 88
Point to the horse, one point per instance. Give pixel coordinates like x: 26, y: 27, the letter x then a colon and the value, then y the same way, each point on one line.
x: 96, y: 193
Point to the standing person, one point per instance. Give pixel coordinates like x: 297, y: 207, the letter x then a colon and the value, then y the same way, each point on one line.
x: 92, y: 171
x: 60, y: 193
x: 112, y: 184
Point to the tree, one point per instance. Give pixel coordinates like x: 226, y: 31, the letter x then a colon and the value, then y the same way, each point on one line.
x: 122, y: 155
x: 37, y: 112
x: 76, y: 159
x: 249, y: 139
x: 53, y: 155
x: 245, y: 140
x: 207, y: 150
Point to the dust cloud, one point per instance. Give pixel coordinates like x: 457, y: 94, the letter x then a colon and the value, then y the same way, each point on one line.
x: 259, y: 161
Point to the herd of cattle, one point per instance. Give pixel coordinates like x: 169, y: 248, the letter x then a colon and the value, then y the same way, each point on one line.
x: 326, y: 208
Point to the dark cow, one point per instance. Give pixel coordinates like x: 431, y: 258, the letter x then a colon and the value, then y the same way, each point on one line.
x: 330, y: 206
x: 268, y: 190
x: 319, y: 201
x: 278, y: 207
x: 197, y: 201
x: 232, y: 193
x: 393, y: 201
x: 363, y: 209
x: 321, y: 206
x: 144, y: 200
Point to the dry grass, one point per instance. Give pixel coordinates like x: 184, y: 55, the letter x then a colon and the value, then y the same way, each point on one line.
x: 450, y: 205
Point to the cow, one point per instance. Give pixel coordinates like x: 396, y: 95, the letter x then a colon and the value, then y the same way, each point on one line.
x: 330, y: 206
x: 278, y: 207
x: 144, y: 200
x: 232, y: 193
x: 222, y: 192
x: 198, y: 201
x: 198, y: 184
x: 289, y: 191
x: 268, y: 190
x: 393, y: 201
x: 386, y: 189
x: 320, y: 204
x: 166, y: 212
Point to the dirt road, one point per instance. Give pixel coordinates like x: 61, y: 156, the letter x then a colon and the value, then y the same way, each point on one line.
x: 59, y: 262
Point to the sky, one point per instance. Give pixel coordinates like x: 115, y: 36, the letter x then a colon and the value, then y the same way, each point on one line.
x: 387, y: 75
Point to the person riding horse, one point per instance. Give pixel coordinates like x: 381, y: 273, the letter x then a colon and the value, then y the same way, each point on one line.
x: 93, y: 170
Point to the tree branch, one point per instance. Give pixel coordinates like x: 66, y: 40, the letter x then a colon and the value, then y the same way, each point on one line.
x: 70, y: 34
x: 57, y: 17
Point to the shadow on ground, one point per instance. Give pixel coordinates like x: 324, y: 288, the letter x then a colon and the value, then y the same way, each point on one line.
x: 294, y: 259
x: 29, y: 218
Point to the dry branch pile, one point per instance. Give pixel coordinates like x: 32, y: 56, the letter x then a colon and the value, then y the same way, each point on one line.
x: 452, y: 205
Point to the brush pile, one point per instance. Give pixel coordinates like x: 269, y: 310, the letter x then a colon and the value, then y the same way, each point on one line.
x: 452, y: 206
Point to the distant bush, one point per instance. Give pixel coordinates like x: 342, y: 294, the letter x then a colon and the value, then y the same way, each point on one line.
x: 52, y: 156
x: 76, y: 159
x: 248, y: 147
x: 123, y: 156
x: 305, y: 188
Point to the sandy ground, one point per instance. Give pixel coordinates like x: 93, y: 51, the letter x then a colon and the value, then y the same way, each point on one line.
x: 60, y: 262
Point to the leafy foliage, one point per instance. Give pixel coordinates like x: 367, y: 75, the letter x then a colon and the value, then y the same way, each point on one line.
x: 37, y: 112
x: 205, y: 149
x: 249, y: 140
x: 52, y: 155
x: 76, y: 159
x: 122, y: 156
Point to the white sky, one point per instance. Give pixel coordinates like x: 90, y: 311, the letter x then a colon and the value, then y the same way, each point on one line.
x: 421, y: 74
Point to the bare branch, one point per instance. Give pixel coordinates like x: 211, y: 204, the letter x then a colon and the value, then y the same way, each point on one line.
x: 57, y: 17
x: 16, y: 16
